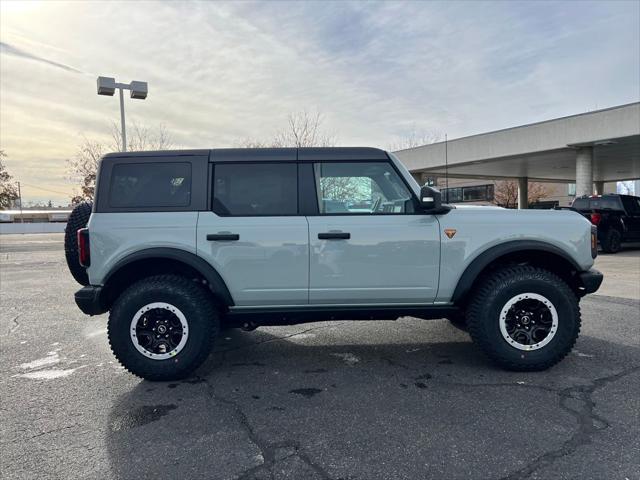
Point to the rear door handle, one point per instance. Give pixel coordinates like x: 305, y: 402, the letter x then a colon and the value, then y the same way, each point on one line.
x: 334, y: 236
x: 222, y: 237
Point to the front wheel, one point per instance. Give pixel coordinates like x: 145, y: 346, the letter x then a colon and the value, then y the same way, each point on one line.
x: 163, y: 327
x: 524, y: 318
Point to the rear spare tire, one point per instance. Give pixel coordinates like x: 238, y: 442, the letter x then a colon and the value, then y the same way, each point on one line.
x: 78, y: 219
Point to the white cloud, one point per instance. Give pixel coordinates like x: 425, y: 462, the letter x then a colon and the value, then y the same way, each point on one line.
x: 219, y: 72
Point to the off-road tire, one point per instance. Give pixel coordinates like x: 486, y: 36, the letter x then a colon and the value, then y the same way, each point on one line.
x: 78, y: 219
x: 192, y: 299
x: 492, y: 294
x: 611, y: 241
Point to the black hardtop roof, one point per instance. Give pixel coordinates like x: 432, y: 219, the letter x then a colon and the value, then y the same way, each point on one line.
x: 265, y: 154
x: 596, y: 197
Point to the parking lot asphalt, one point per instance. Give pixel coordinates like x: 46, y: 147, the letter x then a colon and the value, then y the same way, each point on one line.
x: 409, y: 399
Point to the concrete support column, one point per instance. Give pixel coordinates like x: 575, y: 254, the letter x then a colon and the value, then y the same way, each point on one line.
x: 598, y: 187
x: 523, y: 193
x: 584, y: 171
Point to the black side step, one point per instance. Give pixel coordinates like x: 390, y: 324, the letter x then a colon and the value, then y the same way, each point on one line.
x: 295, y: 315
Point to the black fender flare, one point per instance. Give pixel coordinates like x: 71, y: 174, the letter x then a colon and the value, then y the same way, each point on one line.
x: 192, y: 260
x: 478, y: 264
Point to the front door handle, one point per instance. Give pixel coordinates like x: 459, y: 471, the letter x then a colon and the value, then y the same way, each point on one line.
x: 222, y: 237
x: 334, y: 236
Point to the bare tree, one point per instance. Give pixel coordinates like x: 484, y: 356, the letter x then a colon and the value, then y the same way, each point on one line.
x: 252, y: 143
x: 346, y: 189
x: 83, y: 166
x: 303, y: 129
x: 415, y: 138
x: 8, y: 190
x: 506, y: 193
x: 626, y: 188
x: 141, y: 137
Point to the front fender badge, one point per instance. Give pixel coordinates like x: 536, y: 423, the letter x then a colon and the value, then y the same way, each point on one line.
x: 450, y: 232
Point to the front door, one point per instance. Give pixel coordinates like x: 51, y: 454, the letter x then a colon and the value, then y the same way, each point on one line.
x: 254, y: 236
x: 368, y: 243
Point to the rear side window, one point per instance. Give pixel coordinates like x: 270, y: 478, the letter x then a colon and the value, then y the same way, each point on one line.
x: 255, y: 189
x: 581, y: 204
x: 602, y: 203
x: 144, y: 185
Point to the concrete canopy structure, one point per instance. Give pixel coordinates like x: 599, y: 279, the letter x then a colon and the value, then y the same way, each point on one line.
x: 600, y: 146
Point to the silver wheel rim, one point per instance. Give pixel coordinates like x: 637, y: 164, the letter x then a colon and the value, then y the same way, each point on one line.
x: 508, y: 316
x: 178, y: 320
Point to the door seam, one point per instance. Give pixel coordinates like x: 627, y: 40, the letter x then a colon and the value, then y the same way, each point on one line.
x: 308, y: 262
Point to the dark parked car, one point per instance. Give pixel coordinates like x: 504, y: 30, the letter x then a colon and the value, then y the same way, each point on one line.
x: 616, y: 216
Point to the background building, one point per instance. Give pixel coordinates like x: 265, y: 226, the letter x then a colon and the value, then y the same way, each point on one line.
x: 576, y: 155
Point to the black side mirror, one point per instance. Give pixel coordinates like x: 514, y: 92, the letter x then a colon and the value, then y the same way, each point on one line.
x: 430, y: 198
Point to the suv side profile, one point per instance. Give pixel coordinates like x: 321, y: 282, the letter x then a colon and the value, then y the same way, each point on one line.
x: 181, y: 243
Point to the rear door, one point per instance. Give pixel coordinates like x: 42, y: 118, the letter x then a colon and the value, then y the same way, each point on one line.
x: 145, y: 200
x: 253, y: 234
x: 632, y: 207
x: 368, y: 243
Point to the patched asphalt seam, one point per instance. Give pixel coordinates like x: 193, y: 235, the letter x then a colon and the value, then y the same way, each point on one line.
x: 267, y: 450
x: 16, y: 323
x: 589, y: 423
x: 55, y: 430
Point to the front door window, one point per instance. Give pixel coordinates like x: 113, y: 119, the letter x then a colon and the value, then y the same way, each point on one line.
x: 360, y: 188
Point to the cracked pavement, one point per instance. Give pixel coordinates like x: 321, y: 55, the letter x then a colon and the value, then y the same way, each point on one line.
x: 409, y: 399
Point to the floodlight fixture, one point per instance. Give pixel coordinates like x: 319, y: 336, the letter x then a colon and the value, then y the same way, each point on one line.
x: 107, y: 86
x: 138, y: 89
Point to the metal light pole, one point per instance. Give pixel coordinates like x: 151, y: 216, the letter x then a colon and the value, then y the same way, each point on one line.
x: 107, y: 86
x: 20, y: 200
x: 122, y: 124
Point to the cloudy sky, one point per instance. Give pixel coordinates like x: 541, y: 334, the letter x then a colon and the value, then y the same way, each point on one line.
x: 221, y: 72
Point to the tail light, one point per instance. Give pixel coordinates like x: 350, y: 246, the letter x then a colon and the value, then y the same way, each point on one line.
x: 595, y: 218
x: 594, y: 241
x: 84, y: 253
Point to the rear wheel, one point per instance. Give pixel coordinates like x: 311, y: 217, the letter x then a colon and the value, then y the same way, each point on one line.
x: 163, y: 327
x: 78, y: 219
x: 612, y: 241
x: 524, y: 318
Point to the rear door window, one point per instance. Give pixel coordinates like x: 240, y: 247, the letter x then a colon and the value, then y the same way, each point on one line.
x: 255, y: 189
x: 148, y: 185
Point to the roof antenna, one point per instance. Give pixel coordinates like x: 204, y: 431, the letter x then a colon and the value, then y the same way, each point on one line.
x: 446, y: 167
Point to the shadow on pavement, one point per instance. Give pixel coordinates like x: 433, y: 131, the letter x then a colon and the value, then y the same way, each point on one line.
x: 264, y: 406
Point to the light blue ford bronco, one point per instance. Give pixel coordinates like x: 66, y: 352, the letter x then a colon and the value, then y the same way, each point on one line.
x: 179, y: 244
